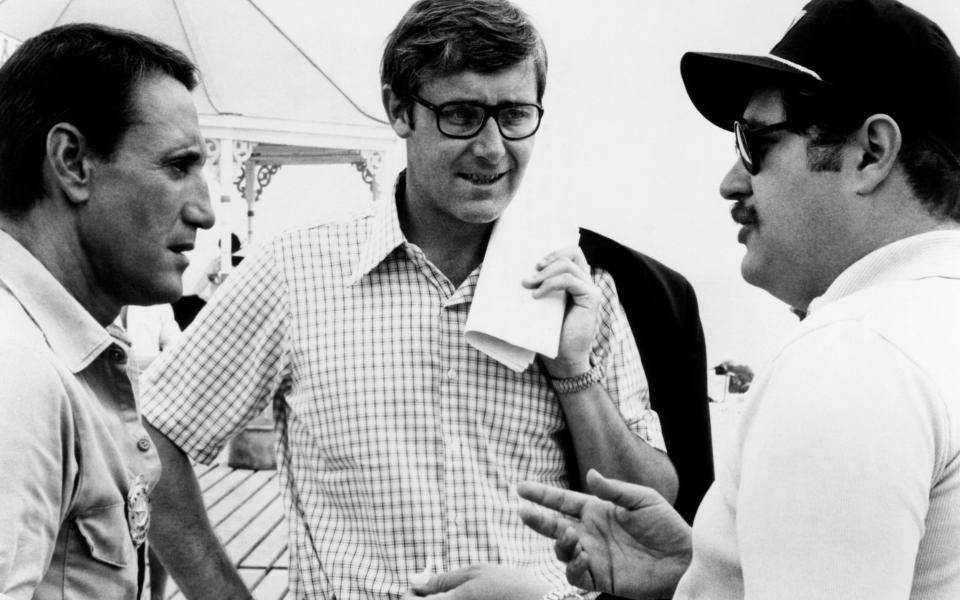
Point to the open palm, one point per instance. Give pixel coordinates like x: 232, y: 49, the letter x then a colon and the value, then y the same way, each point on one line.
x: 626, y: 540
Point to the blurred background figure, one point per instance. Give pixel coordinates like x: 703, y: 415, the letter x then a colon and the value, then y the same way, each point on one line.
x: 738, y: 377
x: 200, y: 284
x: 151, y: 330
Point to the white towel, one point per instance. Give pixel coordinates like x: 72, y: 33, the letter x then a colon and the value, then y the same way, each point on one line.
x: 506, y: 322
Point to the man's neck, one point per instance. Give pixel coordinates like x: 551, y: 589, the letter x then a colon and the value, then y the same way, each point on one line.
x: 456, y: 248
x: 58, y: 251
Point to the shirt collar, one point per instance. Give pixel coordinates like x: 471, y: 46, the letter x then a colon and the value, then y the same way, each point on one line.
x: 71, y: 332
x: 930, y: 254
x: 383, y: 234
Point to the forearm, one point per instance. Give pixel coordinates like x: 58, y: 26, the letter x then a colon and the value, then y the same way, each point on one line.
x: 181, y: 533
x: 602, y: 441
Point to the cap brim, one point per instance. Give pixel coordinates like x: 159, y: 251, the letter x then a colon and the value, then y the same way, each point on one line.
x: 720, y: 85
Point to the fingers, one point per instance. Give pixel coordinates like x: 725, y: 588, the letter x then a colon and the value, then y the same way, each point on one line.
x: 413, y: 593
x: 627, y: 495
x: 438, y: 586
x: 578, y: 571
x: 567, y: 502
x: 567, y: 546
x: 545, y: 523
x: 550, y: 524
x: 571, y: 253
x: 583, y: 292
x: 569, y: 260
x: 570, y: 550
x: 566, y: 270
x: 447, y: 580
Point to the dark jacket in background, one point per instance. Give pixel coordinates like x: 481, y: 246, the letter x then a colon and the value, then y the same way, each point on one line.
x: 661, y: 307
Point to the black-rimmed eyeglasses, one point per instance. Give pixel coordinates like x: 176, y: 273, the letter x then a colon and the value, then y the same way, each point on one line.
x: 462, y: 120
x: 747, y: 142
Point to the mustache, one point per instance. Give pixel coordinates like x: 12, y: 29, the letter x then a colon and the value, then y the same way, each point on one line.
x: 743, y: 214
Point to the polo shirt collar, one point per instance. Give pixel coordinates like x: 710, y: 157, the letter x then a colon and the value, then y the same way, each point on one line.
x: 930, y: 254
x: 384, y: 234
x: 70, y: 331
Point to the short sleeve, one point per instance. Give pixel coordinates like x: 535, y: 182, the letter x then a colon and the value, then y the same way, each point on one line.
x: 233, y: 360
x: 38, y: 467
x: 623, y: 376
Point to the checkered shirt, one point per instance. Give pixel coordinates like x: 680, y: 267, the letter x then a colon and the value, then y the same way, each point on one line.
x: 398, y: 441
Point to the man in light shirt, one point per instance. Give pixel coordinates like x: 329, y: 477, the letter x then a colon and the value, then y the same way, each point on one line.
x: 399, y: 444
x: 844, y: 479
x: 101, y: 194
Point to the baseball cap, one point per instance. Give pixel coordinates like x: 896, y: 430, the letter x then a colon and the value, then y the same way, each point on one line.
x: 881, y: 54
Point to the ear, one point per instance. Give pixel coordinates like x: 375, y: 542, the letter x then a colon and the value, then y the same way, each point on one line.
x: 397, y: 112
x: 68, y: 162
x: 878, y: 142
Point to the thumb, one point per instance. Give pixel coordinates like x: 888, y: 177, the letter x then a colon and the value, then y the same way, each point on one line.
x: 441, y: 582
x: 626, y: 495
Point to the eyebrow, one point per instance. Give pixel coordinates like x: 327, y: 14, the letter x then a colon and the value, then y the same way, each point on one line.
x: 186, y: 153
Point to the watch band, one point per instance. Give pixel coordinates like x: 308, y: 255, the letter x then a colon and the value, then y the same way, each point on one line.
x: 577, y: 383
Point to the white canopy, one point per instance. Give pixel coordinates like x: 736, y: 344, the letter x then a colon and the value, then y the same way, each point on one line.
x: 258, y: 85
x: 261, y: 97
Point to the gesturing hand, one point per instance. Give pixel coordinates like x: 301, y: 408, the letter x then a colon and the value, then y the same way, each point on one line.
x: 567, y: 270
x: 481, y: 582
x: 627, y: 540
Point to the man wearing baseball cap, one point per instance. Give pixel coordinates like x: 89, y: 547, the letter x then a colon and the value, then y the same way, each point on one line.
x: 844, y: 479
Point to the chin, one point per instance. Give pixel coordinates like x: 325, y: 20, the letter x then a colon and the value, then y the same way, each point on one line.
x: 160, y: 292
x: 484, y: 211
x: 752, y: 272
x: 481, y: 218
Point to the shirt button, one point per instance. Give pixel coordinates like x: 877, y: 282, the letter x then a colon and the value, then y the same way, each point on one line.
x: 143, y: 444
x: 117, y: 354
x: 451, y: 374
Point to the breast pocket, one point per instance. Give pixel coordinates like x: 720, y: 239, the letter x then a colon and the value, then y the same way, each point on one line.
x: 107, y: 535
x: 97, y: 560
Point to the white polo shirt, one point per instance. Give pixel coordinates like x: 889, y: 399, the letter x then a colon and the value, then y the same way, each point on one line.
x: 844, y: 479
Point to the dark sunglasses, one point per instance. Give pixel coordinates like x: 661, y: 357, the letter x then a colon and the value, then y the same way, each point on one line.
x: 746, y: 142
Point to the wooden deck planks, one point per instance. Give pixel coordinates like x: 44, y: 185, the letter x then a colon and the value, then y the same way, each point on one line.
x: 247, y: 514
x: 271, y: 552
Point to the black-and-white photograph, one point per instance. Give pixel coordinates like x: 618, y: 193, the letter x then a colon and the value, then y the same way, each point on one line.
x: 479, y: 299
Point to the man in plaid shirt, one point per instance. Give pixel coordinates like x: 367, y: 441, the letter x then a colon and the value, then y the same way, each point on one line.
x: 400, y: 446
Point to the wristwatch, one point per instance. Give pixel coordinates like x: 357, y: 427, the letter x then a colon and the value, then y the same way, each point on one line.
x: 562, y: 595
x: 577, y: 383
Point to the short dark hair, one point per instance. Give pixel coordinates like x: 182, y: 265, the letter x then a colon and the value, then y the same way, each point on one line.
x: 829, y: 118
x: 436, y: 38
x: 82, y: 74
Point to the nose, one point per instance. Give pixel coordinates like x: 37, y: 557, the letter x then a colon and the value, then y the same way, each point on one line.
x: 489, y: 144
x: 736, y: 184
x: 198, y: 211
